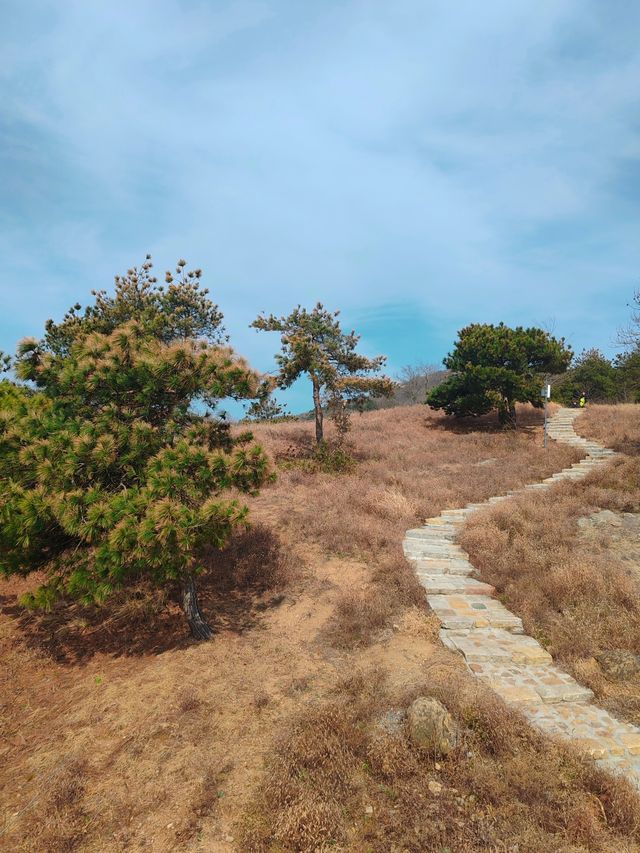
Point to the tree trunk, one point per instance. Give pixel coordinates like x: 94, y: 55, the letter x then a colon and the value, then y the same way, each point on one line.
x: 507, y: 414
x: 200, y: 628
x: 317, y: 405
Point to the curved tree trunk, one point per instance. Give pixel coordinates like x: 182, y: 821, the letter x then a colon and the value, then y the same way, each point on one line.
x: 317, y: 405
x: 200, y: 628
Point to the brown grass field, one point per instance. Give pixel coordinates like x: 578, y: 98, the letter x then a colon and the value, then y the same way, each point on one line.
x: 118, y: 733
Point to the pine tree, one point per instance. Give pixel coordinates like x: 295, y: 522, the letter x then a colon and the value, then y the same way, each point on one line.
x: 493, y: 367
x: 107, y: 473
x: 591, y: 374
x: 266, y: 408
x: 313, y: 343
x: 627, y: 372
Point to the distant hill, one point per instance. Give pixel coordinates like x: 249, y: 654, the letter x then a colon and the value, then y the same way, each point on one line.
x: 413, y: 385
x: 413, y: 382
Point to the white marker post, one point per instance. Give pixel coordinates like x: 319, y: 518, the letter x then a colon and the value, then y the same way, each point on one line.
x: 546, y: 394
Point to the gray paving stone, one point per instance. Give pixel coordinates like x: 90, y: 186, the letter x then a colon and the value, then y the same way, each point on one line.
x: 522, y: 684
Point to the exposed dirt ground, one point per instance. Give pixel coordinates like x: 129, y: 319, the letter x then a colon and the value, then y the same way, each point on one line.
x: 119, y: 733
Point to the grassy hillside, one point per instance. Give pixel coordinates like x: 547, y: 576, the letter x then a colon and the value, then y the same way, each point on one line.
x: 119, y: 733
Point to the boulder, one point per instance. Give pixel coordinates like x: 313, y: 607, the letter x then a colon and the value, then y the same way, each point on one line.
x: 619, y: 664
x: 606, y: 518
x: 431, y: 726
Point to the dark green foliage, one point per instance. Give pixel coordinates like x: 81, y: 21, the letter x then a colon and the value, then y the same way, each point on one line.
x: 314, y: 343
x: 591, y: 375
x: 106, y: 472
x: 627, y: 368
x: 494, y: 367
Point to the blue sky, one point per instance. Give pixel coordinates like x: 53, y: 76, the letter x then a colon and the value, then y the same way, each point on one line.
x: 419, y: 165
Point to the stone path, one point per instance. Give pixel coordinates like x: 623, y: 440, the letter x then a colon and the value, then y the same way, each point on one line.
x: 491, y: 638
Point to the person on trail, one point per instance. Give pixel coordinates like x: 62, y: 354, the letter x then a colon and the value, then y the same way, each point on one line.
x: 583, y: 400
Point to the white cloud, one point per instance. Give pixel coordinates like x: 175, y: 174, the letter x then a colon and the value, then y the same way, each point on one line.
x: 359, y: 152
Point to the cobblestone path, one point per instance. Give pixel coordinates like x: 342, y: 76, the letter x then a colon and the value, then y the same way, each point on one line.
x: 491, y: 638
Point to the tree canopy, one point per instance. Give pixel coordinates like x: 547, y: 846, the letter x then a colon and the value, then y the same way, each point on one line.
x: 313, y: 343
x: 494, y: 367
x: 591, y: 374
x: 176, y: 310
x: 627, y: 369
x: 107, y: 473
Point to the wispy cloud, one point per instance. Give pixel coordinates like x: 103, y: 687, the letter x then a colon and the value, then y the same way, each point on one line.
x: 479, y: 161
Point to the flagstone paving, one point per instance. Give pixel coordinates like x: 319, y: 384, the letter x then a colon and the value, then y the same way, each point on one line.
x: 491, y: 638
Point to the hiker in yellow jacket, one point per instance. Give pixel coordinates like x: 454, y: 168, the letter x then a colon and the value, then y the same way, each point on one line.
x: 583, y: 400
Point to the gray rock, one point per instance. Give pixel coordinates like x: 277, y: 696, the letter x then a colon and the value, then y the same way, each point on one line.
x: 619, y: 664
x: 431, y: 726
x: 392, y: 722
x: 606, y: 518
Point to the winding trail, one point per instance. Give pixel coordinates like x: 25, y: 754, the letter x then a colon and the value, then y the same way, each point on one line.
x: 492, y: 639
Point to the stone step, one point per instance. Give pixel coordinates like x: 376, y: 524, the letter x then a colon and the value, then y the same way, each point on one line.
x: 436, y: 565
x: 425, y: 553
x: 415, y: 543
x: 439, y: 520
x: 518, y: 684
x: 591, y: 728
x: 460, y: 611
x: 446, y: 584
x: 423, y: 534
x: 494, y: 644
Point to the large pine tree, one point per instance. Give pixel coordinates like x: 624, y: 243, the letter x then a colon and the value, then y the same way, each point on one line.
x: 495, y: 367
x: 107, y: 472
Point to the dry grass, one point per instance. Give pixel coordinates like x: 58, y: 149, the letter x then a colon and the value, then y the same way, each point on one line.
x: 617, y: 427
x: 247, y: 576
x: 174, y: 734
x: 340, y: 780
x: 66, y: 822
x: 411, y: 463
x: 576, y: 595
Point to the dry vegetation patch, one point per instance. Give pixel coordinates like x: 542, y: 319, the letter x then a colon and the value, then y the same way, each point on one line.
x: 174, y: 735
x: 617, y: 426
x: 345, y: 779
x: 410, y: 463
